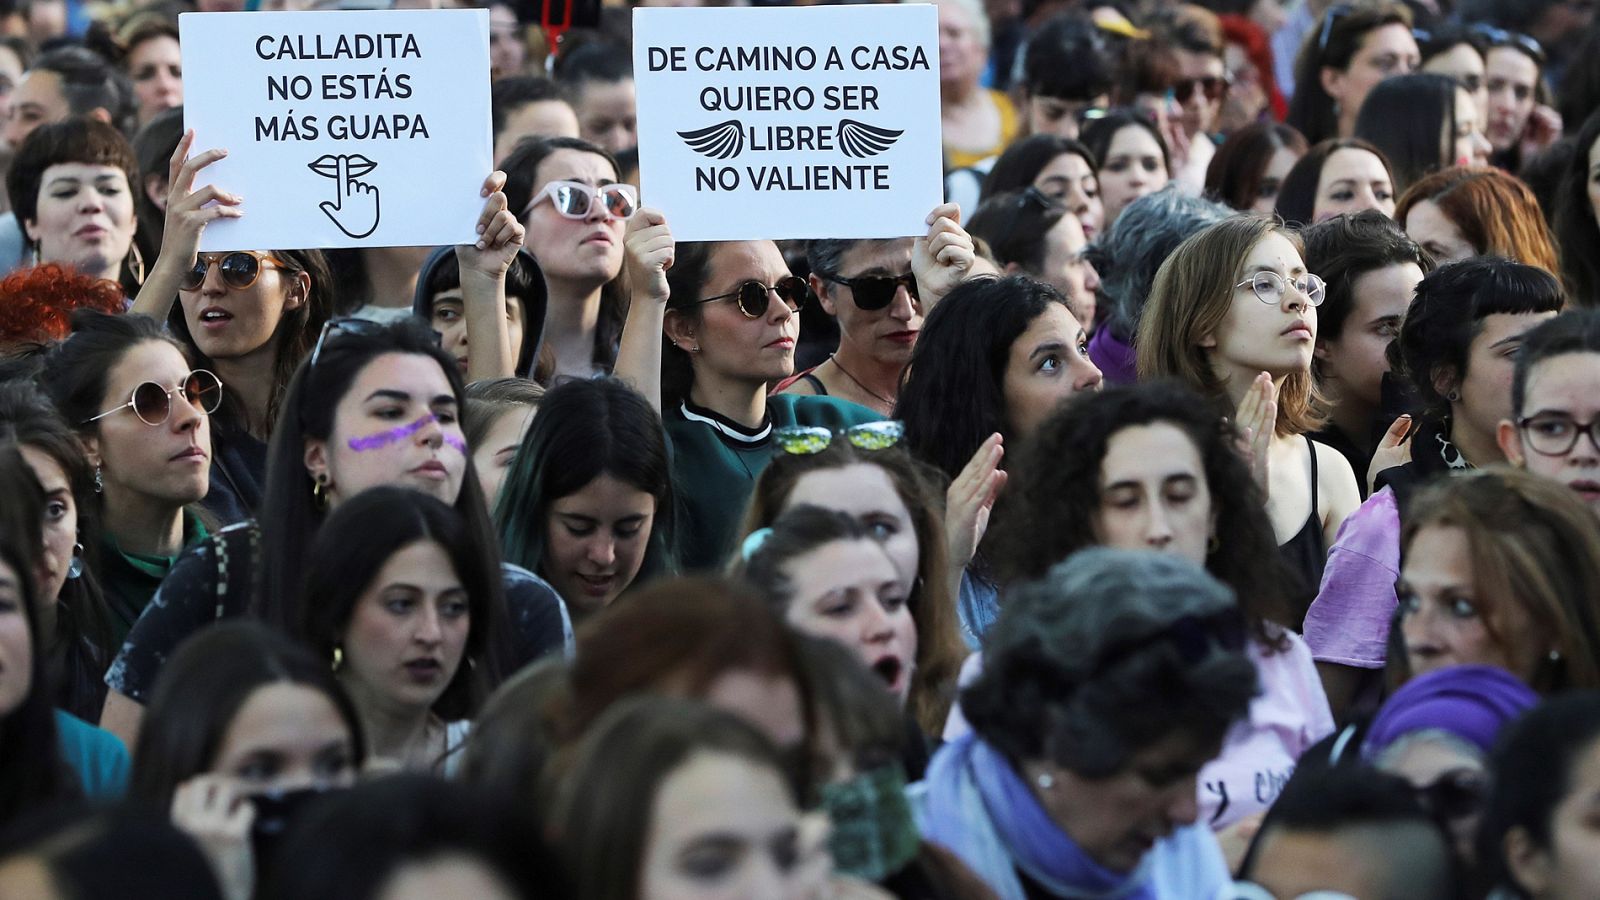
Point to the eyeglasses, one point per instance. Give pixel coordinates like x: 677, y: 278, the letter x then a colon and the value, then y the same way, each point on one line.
x: 152, y: 403
x: 1499, y: 37
x: 754, y: 297
x: 239, y: 269
x: 874, y: 292
x: 805, y: 440
x: 342, y: 325
x: 1269, y: 287
x: 574, y: 199
x: 1553, y: 434
x: 1213, y: 86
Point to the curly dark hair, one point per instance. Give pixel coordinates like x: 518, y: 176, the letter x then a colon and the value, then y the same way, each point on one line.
x: 1056, y: 479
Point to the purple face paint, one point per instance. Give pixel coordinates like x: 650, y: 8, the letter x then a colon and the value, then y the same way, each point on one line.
x: 453, y: 441
x: 396, y: 434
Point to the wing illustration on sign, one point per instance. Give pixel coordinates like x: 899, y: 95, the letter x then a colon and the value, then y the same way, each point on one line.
x: 860, y: 140
x: 354, y: 208
x: 724, y: 140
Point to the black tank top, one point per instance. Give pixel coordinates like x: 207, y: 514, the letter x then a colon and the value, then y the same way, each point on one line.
x: 1306, y: 552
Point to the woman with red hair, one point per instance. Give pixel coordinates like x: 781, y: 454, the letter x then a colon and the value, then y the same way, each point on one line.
x: 1252, y: 87
x: 36, y: 304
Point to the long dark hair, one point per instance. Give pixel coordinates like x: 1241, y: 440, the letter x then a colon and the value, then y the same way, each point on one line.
x: 82, y: 643
x: 1407, y: 117
x: 1332, y: 43
x: 33, y: 774
x: 1099, y: 134
x: 1297, y: 198
x: 351, y: 549
x: 1024, y: 160
x: 292, y: 340
x: 1235, y: 173
x: 586, y: 429
x: 290, y: 515
x: 1057, y: 480
x: 201, y: 691
x: 953, y: 395
x: 77, y: 371
x: 1577, y: 233
x: 686, y: 280
x: 522, y: 171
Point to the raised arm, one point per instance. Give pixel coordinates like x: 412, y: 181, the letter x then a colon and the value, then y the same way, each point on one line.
x: 483, y: 284
x: 187, y: 217
x: 649, y: 248
x: 944, y: 257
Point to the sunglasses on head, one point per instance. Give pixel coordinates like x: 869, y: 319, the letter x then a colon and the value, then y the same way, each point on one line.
x: 239, y: 268
x: 1499, y: 37
x: 1334, y: 14
x: 805, y: 440
x: 754, y: 297
x: 874, y: 292
x: 342, y: 325
x: 575, y: 200
x: 1213, y: 86
x: 152, y: 403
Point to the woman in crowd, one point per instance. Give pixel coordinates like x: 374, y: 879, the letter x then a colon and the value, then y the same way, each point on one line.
x: 241, y: 713
x: 1030, y: 234
x: 1501, y: 568
x: 1062, y: 169
x: 1455, y: 351
x: 1349, y: 51
x: 37, y: 302
x: 1423, y: 123
x: 151, y: 58
x: 1457, y: 54
x: 142, y: 411
x: 1146, y: 468
x: 655, y: 780
x: 494, y: 420
x: 565, y: 191
x: 75, y: 625
x: 711, y: 329
x: 1091, y: 721
x: 71, y: 188
x: 587, y: 503
x: 409, y: 613
x: 374, y: 405
x: 1544, y: 775
x: 1134, y: 159
x: 1520, y: 122
x: 412, y: 836
x: 1436, y: 731
x: 440, y: 302
x: 1126, y: 259
x: 1464, y: 212
x: 1335, y: 177
x: 994, y: 359
x: 898, y: 500
x: 1370, y: 269
x: 1576, y: 209
x: 976, y: 122
x: 1233, y: 315
x: 1552, y: 397
x: 1250, y: 166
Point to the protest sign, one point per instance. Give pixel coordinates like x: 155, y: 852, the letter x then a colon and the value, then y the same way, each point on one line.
x: 343, y: 129
x: 799, y: 122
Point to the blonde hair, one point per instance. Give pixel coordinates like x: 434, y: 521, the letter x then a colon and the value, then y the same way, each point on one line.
x: 1531, y: 540
x: 1191, y: 296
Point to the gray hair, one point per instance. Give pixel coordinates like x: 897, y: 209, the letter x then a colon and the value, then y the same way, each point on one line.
x: 974, y: 10
x: 1075, y: 670
x: 1144, y: 234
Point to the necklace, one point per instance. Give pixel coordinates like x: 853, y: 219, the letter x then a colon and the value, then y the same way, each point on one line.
x: 876, y: 396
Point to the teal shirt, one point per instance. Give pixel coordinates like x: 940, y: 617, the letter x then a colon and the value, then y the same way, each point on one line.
x: 97, y: 757
x: 131, y: 579
x: 715, y: 464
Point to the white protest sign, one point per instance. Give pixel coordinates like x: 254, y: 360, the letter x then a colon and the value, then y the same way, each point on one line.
x: 797, y: 122
x: 343, y: 129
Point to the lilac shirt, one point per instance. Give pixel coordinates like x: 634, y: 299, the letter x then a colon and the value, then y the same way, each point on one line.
x: 1289, y: 715
x: 1115, y: 360
x: 1348, y: 623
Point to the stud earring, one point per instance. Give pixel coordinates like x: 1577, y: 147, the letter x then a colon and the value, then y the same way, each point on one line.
x: 1045, y: 782
x: 1453, y: 396
x: 99, y: 484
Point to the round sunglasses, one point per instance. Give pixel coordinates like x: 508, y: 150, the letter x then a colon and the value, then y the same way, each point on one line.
x: 574, y: 199
x: 875, y: 292
x: 152, y: 403
x: 239, y: 268
x: 754, y: 297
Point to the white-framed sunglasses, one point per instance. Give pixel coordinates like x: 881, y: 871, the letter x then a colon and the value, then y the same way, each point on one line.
x: 574, y: 199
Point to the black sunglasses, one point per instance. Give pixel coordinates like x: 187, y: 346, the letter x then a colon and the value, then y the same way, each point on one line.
x: 1213, y: 87
x: 754, y: 297
x: 875, y: 292
x: 342, y: 325
x: 239, y: 269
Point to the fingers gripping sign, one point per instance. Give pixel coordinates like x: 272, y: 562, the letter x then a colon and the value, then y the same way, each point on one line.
x: 354, y: 208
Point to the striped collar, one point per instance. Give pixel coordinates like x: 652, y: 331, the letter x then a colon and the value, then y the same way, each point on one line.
x: 728, y: 429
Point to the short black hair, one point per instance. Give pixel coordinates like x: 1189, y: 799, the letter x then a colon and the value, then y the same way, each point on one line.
x: 76, y: 140
x: 90, y: 82
x: 1574, y: 331
x: 511, y: 94
x: 599, y: 60
x: 1068, y: 58
x: 1344, y: 248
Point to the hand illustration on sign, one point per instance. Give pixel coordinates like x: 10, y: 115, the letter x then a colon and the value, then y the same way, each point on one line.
x: 355, y: 204
x: 725, y: 140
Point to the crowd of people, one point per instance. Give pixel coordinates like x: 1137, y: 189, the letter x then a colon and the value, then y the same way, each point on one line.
x: 1206, y: 505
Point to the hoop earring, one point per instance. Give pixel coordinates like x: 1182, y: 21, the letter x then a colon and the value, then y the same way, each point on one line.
x: 75, y: 565
x: 135, y: 263
x: 319, y: 491
x: 1453, y: 397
